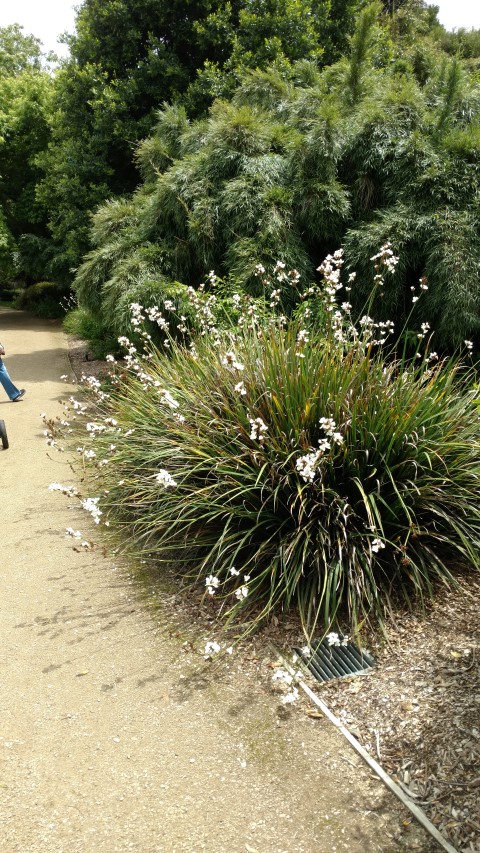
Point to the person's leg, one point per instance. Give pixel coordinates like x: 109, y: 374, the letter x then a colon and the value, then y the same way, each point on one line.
x: 12, y: 391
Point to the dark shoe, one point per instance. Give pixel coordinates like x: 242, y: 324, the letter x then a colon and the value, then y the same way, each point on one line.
x: 19, y: 396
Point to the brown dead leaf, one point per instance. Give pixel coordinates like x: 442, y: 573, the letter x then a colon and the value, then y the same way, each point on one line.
x: 315, y: 715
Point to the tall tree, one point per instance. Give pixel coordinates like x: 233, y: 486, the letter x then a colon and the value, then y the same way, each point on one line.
x: 127, y: 59
x: 25, y: 97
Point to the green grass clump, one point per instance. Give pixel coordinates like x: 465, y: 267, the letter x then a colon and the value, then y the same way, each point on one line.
x: 270, y: 507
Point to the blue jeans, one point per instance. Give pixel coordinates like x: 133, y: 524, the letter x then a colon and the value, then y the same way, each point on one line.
x: 12, y: 391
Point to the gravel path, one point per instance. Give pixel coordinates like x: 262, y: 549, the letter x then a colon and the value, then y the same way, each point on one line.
x: 114, y: 734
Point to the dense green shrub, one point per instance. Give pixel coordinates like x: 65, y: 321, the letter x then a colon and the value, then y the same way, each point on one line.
x: 282, y: 468
x: 44, y: 299
x: 297, y: 163
x: 89, y: 327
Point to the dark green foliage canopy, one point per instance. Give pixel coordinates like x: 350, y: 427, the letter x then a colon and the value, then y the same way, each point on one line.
x: 25, y: 98
x: 297, y: 164
x: 129, y: 58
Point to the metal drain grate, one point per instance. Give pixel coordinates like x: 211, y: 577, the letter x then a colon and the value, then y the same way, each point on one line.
x: 326, y: 661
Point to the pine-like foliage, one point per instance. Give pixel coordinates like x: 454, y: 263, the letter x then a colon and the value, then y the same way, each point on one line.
x: 297, y: 164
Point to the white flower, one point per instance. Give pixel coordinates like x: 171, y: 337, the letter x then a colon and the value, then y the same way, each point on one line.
x: 69, y: 531
x: 328, y: 424
x: 258, y: 429
x: 168, y: 399
x: 89, y: 454
x: 469, y: 345
x: 91, y: 506
x: 240, y: 389
x: 212, y: 583
x: 70, y: 491
x: 302, y: 337
x: 163, y: 478
x: 386, y: 257
x: 211, y: 648
x: 241, y: 592
x: 377, y: 545
x: 234, y: 572
x: 283, y: 676
x: 230, y: 360
x: 290, y: 697
x: 94, y: 427
x: 307, y: 465
x: 333, y: 639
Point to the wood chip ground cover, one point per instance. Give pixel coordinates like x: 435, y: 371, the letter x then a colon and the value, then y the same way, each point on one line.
x: 418, y: 711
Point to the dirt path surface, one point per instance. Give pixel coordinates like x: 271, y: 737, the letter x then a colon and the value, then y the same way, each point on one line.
x: 114, y: 735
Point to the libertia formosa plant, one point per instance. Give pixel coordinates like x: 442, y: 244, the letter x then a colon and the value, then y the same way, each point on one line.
x: 278, y: 464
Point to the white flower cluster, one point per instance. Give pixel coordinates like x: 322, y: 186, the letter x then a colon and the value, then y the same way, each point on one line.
x: 334, y: 639
x: 70, y: 491
x: 213, y: 648
x: 423, y: 286
x: 258, y: 428
x: 281, y: 276
x: 204, y: 307
x: 331, y: 270
x: 230, y: 360
x: 241, y: 592
x: 425, y: 327
x: 167, y: 398
x: 91, y: 506
x: 92, y: 383
x: 95, y: 428
x: 212, y: 583
x: 78, y: 407
x: 163, y: 478
x: 285, y: 679
x: 377, y: 545
x: 240, y: 389
x: 127, y: 344
x: 76, y: 534
x: 369, y: 326
x: 308, y: 465
x: 386, y: 258
x: 302, y: 338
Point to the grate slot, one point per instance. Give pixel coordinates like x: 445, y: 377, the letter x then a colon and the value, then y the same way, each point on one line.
x: 327, y: 662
